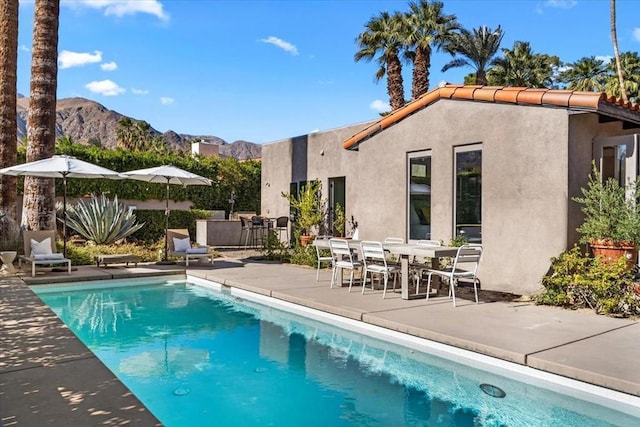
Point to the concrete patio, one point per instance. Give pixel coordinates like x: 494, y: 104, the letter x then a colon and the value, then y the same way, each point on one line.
x: 48, y: 377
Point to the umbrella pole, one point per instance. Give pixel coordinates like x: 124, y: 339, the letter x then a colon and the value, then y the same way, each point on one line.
x: 166, y: 224
x: 64, y: 216
x: 166, y: 261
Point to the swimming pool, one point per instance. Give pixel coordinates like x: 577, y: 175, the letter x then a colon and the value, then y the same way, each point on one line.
x: 197, y: 356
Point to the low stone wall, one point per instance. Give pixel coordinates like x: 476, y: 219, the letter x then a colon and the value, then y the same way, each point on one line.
x: 218, y: 232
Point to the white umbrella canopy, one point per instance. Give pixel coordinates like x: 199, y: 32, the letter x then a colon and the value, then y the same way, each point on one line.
x: 64, y: 167
x: 167, y: 174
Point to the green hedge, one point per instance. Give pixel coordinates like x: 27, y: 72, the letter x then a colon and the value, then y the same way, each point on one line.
x: 227, y: 175
x: 154, y: 223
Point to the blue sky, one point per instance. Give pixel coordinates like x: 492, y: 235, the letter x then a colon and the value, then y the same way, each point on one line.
x: 262, y: 71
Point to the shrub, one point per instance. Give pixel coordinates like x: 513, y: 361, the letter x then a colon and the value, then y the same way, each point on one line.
x: 154, y: 220
x: 101, y: 220
x: 304, y: 255
x: 83, y: 255
x: 273, y: 249
x: 579, y: 281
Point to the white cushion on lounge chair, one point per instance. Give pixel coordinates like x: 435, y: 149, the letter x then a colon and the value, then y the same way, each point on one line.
x: 41, y: 257
x: 41, y: 248
x: 181, y: 245
x: 199, y: 250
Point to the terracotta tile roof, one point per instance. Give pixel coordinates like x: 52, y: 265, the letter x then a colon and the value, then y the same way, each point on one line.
x: 597, y: 102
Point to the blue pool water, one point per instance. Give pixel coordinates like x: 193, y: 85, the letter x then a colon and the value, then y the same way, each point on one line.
x: 195, y: 356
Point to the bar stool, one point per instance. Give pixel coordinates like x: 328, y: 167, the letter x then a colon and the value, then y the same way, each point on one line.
x: 282, y: 225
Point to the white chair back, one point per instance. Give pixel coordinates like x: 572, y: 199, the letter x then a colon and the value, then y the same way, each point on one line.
x: 340, y: 250
x: 468, y: 254
x: 373, y: 251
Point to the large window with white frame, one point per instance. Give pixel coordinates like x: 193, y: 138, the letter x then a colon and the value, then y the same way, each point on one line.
x: 468, y: 192
x: 419, y: 195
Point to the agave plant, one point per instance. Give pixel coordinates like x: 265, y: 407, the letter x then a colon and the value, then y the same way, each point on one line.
x: 101, y: 220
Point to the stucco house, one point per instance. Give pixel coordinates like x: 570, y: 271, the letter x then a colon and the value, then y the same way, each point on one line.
x: 499, y: 164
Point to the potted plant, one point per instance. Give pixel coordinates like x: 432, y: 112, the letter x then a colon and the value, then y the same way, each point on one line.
x: 309, y: 210
x: 612, y: 218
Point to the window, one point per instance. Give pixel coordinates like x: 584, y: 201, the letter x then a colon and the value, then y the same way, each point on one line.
x: 419, y: 196
x: 468, y: 193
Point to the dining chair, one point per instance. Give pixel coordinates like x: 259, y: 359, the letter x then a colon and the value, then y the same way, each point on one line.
x: 418, y: 268
x: 321, y: 258
x: 343, y: 258
x: 375, y: 262
x: 470, y: 256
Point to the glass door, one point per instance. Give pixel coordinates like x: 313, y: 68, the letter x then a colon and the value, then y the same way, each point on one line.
x: 419, y: 195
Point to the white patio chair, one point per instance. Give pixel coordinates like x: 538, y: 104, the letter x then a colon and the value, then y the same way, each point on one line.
x: 470, y: 256
x: 179, y: 245
x: 418, y: 268
x: 40, y: 249
x: 342, y: 259
x: 392, y: 259
x: 322, y: 258
x: 375, y: 262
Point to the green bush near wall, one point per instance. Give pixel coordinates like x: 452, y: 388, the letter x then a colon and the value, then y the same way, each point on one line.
x: 227, y: 175
x: 154, y: 223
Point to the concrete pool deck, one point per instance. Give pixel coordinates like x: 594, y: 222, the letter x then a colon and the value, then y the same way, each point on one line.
x: 48, y: 377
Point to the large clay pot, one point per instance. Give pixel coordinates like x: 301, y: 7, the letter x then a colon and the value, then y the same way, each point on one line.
x: 306, y: 239
x: 614, y: 250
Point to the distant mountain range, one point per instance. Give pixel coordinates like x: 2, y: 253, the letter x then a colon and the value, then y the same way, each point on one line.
x: 84, y: 120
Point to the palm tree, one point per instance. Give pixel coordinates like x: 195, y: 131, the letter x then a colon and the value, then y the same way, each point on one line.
x: 630, y: 67
x: 616, y: 53
x: 521, y: 67
x: 427, y: 27
x: 587, y: 74
x: 38, y: 211
x: 8, y: 111
x: 382, y: 39
x: 475, y: 49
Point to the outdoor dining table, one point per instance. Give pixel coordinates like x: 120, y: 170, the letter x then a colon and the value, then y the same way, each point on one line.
x: 405, y: 251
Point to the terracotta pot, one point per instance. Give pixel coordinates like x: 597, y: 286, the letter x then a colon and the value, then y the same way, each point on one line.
x: 614, y: 250
x: 305, y: 240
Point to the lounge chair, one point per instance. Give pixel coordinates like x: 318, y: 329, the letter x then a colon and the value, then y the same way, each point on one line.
x: 179, y: 245
x: 40, y: 249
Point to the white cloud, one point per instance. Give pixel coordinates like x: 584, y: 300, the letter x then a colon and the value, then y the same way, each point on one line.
x: 109, y: 66
x: 284, y: 45
x: 105, y: 87
x: 68, y: 59
x: 24, y: 48
x: 139, y: 91
x: 380, y: 106
x: 636, y: 34
x: 121, y: 8
x: 562, y: 4
x: 165, y: 100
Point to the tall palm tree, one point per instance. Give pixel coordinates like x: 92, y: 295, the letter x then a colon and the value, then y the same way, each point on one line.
x: 475, y: 50
x: 38, y: 205
x: 8, y: 109
x: 587, y: 74
x: 616, y: 53
x: 521, y: 67
x: 427, y: 27
x: 382, y: 39
x: 630, y: 67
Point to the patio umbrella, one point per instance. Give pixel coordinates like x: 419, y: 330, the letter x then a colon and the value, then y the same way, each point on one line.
x: 167, y: 174
x: 61, y: 167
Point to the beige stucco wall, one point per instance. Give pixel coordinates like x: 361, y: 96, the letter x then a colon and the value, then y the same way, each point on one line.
x: 534, y: 159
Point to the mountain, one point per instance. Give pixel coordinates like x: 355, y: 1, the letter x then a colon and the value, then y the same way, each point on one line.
x: 86, y: 121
